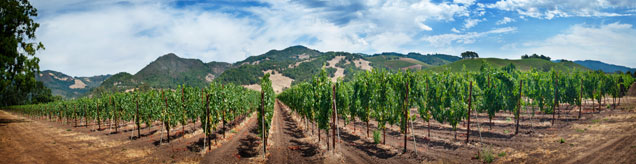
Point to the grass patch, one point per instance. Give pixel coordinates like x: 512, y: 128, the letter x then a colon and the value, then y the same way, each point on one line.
x: 486, y: 155
x: 596, y: 121
x: 506, y: 131
x: 633, y: 147
x: 580, y: 130
x: 232, y: 131
x: 376, y: 136
x: 509, y: 119
x: 68, y: 130
x: 561, y: 140
x: 502, y: 154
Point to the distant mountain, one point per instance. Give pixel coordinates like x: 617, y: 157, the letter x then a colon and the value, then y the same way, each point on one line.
x: 167, y: 71
x: 605, y: 67
x: 521, y: 64
x: 67, y: 86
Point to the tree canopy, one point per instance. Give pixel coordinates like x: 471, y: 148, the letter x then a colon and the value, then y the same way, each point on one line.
x: 18, y: 64
x: 469, y: 55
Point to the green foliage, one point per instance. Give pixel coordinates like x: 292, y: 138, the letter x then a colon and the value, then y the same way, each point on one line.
x: 469, y: 55
x: 487, y: 155
x: 522, y: 65
x: 19, y: 65
x: 535, y: 56
x: 376, y: 136
x: 268, y: 100
x: 171, y: 107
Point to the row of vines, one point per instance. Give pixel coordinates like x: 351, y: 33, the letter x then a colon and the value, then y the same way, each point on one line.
x: 212, y: 106
x: 446, y: 97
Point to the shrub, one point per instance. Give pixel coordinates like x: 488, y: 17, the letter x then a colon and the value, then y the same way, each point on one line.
x: 487, y: 155
x: 376, y: 136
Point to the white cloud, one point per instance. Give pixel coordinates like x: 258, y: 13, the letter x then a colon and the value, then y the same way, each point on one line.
x: 564, y: 8
x: 85, y: 38
x: 612, y: 43
x: 466, y: 2
x: 505, y: 20
x: 454, y: 30
x: 443, y: 40
x: 468, y: 23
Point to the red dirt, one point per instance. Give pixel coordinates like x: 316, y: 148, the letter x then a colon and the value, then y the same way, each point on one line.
x: 240, y: 148
x: 289, y: 142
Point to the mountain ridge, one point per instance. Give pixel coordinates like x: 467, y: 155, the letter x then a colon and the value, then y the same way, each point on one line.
x: 295, y: 64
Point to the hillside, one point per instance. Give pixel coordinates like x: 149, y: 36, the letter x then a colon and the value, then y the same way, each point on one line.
x: 67, y: 86
x: 415, y: 61
x: 167, y: 71
x: 296, y: 64
x: 521, y: 64
x: 292, y: 65
x: 605, y: 67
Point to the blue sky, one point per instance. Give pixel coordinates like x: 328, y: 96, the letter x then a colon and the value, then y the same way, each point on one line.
x: 91, y: 37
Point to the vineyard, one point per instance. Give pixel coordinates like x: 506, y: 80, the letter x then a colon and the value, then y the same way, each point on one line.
x: 321, y: 116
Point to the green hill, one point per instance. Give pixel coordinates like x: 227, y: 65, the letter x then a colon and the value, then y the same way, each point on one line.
x: 415, y: 61
x: 521, y: 64
x: 68, y: 86
x: 167, y: 71
x: 296, y: 64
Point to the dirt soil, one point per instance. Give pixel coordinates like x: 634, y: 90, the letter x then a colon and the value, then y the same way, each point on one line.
x: 241, y: 148
x: 290, y: 145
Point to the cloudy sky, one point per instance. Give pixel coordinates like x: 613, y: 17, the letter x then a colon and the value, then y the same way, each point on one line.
x: 91, y: 37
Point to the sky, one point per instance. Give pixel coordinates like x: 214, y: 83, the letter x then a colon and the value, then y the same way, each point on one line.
x: 94, y: 37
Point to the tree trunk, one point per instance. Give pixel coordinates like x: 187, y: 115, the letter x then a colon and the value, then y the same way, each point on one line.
x: 406, y: 115
x: 470, y: 96
x: 137, y: 120
x: 519, y: 108
x: 334, y: 119
x: 556, y: 95
x: 168, y: 131
x: 580, y: 98
x: 429, y: 128
x: 262, y: 123
x: 384, y: 135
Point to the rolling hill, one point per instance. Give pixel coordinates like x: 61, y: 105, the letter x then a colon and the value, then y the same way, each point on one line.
x: 415, y: 61
x: 167, y: 71
x: 68, y: 86
x: 521, y: 64
x: 296, y: 64
x: 605, y: 67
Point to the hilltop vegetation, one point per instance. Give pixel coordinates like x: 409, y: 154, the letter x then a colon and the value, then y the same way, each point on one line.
x: 168, y: 71
x: 521, y: 64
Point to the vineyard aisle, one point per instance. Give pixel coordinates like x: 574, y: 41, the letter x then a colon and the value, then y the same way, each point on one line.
x: 290, y: 145
x: 231, y: 152
x: 23, y: 140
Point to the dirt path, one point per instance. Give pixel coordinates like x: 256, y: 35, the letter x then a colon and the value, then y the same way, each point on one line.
x: 26, y: 141
x: 239, y: 148
x: 290, y: 145
x: 607, y: 152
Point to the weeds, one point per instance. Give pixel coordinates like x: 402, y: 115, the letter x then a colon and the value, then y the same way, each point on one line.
x: 580, y: 130
x: 561, y: 140
x: 376, y: 136
x: 486, y: 155
x: 502, y: 154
